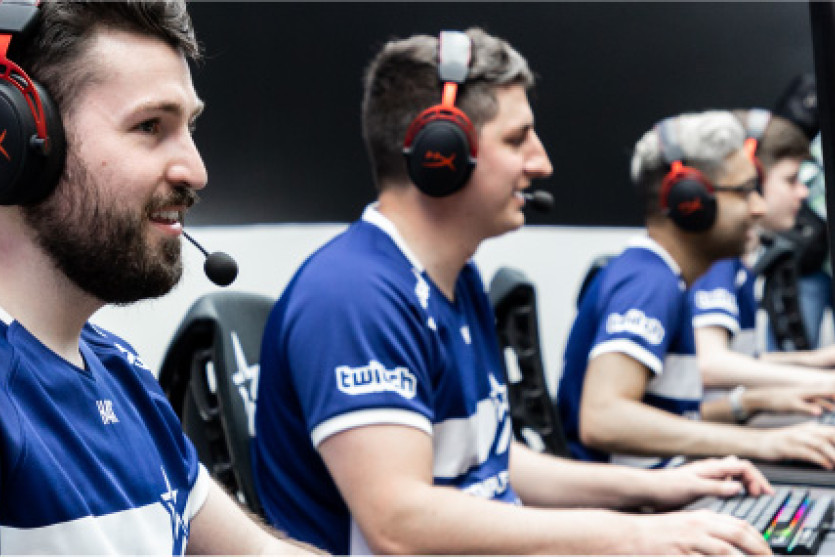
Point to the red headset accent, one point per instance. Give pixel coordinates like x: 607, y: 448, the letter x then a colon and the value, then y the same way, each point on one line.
x: 14, y: 74
x: 444, y: 111
x: 750, y: 147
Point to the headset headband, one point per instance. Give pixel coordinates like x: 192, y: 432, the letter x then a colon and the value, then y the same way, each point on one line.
x: 669, y: 146
x: 756, y: 122
x: 17, y: 16
x: 453, y: 56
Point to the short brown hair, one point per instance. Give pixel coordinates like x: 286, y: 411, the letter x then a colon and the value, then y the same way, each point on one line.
x: 54, y: 55
x: 779, y: 140
x: 402, y: 80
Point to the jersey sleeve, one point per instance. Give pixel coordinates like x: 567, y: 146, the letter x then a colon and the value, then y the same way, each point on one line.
x: 359, y: 352
x: 639, y: 310
x: 713, y: 297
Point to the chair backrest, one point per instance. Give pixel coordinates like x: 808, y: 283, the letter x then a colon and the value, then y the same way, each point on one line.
x: 210, y: 376
x: 595, y: 267
x: 778, y: 264
x: 533, y: 412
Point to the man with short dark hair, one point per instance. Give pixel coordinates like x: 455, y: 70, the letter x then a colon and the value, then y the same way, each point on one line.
x: 382, y: 423
x: 92, y: 457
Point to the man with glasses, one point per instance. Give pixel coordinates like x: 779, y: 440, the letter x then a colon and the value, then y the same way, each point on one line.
x: 724, y: 303
x: 631, y: 390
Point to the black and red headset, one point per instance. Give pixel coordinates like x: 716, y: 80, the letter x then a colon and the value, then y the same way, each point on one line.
x: 441, y: 143
x: 32, y: 143
x: 687, y: 196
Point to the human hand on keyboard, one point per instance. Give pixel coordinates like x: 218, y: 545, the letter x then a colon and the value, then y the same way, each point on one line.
x: 813, y: 400
x: 722, y: 477
x: 699, y: 532
x: 809, y: 441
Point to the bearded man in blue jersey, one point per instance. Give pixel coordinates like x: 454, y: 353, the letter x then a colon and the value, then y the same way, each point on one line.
x: 631, y: 390
x: 382, y: 422
x: 92, y: 457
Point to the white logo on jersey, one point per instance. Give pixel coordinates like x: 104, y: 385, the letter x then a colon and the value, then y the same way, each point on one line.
x: 421, y: 290
x: 178, y: 525
x: 375, y: 378
x: 246, y: 379
x: 490, y: 487
x: 636, y: 322
x: 132, y: 358
x: 718, y: 298
x: 106, y: 411
x: 465, y: 334
x: 498, y: 395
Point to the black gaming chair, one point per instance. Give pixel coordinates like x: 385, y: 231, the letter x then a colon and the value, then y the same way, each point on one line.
x: 210, y: 376
x: 534, y: 415
x: 595, y: 267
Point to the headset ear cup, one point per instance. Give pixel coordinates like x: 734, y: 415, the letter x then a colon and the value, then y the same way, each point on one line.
x: 28, y: 172
x: 438, y: 159
x: 690, y: 203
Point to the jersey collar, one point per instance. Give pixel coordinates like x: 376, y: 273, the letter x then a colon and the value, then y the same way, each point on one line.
x: 5, y: 317
x: 373, y: 216
x: 645, y: 242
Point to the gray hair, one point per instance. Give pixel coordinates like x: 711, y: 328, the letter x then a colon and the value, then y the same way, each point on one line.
x: 700, y: 140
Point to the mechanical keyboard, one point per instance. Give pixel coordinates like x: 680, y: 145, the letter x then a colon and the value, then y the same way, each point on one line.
x: 794, y: 520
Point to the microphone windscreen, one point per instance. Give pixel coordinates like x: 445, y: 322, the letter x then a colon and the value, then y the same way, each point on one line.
x: 542, y: 201
x: 220, y: 268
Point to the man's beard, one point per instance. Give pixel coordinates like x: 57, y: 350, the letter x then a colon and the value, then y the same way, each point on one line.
x: 102, y: 247
x: 723, y: 245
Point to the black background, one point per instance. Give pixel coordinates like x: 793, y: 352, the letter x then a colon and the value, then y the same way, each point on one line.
x: 282, y: 83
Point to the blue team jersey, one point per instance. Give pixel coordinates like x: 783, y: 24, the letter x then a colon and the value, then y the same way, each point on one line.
x: 636, y: 306
x: 724, y: 297
x: 92, y: 461
x: 361, y: 336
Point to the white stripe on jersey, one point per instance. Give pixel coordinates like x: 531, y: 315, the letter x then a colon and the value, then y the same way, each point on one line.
x: 461, y: 443
x: 141, y: 530
x: 681, y: 379
x: 745, y: 342
x: 374, y: 416
x: 145, y: 530
x: 631, y: 349
x: 722, y: 320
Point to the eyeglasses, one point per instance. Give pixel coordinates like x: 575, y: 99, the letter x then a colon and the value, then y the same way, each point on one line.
x: 747, y: 188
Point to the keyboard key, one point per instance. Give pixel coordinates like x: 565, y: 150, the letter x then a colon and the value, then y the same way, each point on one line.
x: 764, y: 520
x: 815, y: 527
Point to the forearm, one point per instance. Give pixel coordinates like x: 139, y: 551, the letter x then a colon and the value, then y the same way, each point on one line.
x: 729, y: 368
x: 449, y: 521
x: 223, y: 527
x: 545, y: 481
x: 800, y: 358
x: 632, y: 427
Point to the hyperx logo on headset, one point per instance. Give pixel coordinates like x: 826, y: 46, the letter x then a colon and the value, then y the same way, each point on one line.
x: 3, y: 149
x: 440, y: 144
x: 433, y: 159
x: 33, y: 137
